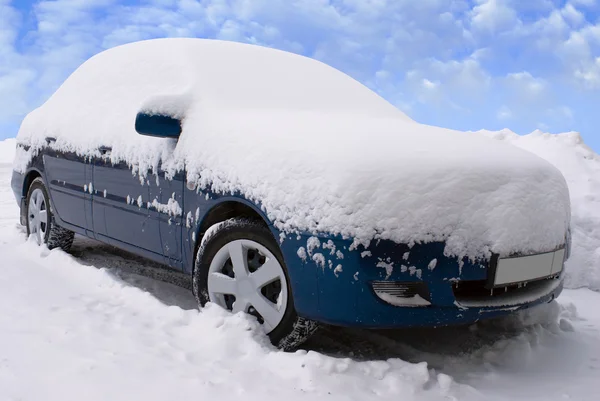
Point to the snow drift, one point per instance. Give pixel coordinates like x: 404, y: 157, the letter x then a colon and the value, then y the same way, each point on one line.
x: 70, y: 331
x: 318, y: 150
x: 8, y: 150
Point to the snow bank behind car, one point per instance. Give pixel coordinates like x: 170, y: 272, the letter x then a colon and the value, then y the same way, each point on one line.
x: 7, y: 150
x: 581, y: 167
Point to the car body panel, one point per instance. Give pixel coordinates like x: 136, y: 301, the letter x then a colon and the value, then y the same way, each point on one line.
x: 162, y: 189
x: 347, y: 298
x: 120, y: 211
x: 199, y: 204
x: 67, y: 181
x: 331, y: 277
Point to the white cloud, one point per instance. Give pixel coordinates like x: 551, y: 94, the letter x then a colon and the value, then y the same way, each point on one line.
x: 589, y: 75
x: 573, y: 15
x: 543, y: 127
x: 466, y: 75
x: 504, y: 113
x: 15, y: 74
x: 9, y: 24
x: 427, y: 84
x: 575, y: 48
x: 447, y: 85
x: 14, y: 92
x: 580, y: 54
x: 525, y: 84
x: 585, y: 2
x: 560, y: 112
x: 545, y: 33
x: 494, y: 16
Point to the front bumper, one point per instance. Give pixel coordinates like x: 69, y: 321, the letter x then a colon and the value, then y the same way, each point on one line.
x: 16, y: 184
x: 334, y: 285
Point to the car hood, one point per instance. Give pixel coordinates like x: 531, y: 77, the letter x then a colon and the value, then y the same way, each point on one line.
x: 385, y: 177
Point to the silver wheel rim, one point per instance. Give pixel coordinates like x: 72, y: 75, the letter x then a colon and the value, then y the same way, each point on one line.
x: 37, y: 216
x: 244, y: 276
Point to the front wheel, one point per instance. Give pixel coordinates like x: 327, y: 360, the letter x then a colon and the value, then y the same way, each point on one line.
x: 40, y: 222
x: 240, y: 268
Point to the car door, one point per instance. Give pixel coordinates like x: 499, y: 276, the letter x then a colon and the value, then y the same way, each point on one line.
x: 68, y: 177
x: 120, y: 206
x: 166, y: 209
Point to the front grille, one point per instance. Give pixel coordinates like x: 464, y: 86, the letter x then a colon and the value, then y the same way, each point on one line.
x: 470, y: 292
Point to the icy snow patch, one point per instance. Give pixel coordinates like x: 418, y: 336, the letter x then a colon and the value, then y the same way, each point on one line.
x: 388, y: 266
x: 329, y: 245
x: 311, y: 244
x: 301, y: 253
x: 172, y: 207
x: 414, y: 271
x: 319, y: 259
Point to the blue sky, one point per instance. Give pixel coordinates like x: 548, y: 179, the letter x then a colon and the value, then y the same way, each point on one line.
x: 464, y: 64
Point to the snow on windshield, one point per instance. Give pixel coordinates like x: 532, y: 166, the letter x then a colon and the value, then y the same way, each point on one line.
x: 318, y: 151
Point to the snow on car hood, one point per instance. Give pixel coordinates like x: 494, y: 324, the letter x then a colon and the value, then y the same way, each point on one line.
x: 387, y: 178
x: 319, y: 151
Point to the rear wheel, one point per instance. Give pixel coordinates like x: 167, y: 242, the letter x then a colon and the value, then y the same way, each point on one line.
x: 240, y: 268
x: 40, y: 222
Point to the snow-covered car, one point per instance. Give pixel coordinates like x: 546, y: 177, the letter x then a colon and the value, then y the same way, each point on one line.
x: 287, y: 190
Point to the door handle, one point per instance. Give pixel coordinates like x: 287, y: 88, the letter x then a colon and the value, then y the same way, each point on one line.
x: 50, y: 139
x: 104, y: 150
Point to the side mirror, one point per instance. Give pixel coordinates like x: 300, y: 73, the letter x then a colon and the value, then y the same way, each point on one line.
x: 157, y: 125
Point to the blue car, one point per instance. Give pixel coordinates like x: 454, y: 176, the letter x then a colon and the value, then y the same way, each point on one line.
x: 241, y: 252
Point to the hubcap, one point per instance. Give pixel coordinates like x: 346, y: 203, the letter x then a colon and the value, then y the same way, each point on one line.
x: 37, y: 215
x: 244, y: 276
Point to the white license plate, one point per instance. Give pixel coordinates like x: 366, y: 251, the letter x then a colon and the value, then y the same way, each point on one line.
x: 528, y: 268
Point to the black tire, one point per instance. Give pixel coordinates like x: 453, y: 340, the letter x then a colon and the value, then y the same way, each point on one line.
x: 293, y: 330
x: 55, y: 236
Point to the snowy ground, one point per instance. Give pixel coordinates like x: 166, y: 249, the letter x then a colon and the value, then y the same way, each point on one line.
x: 92, y: 326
